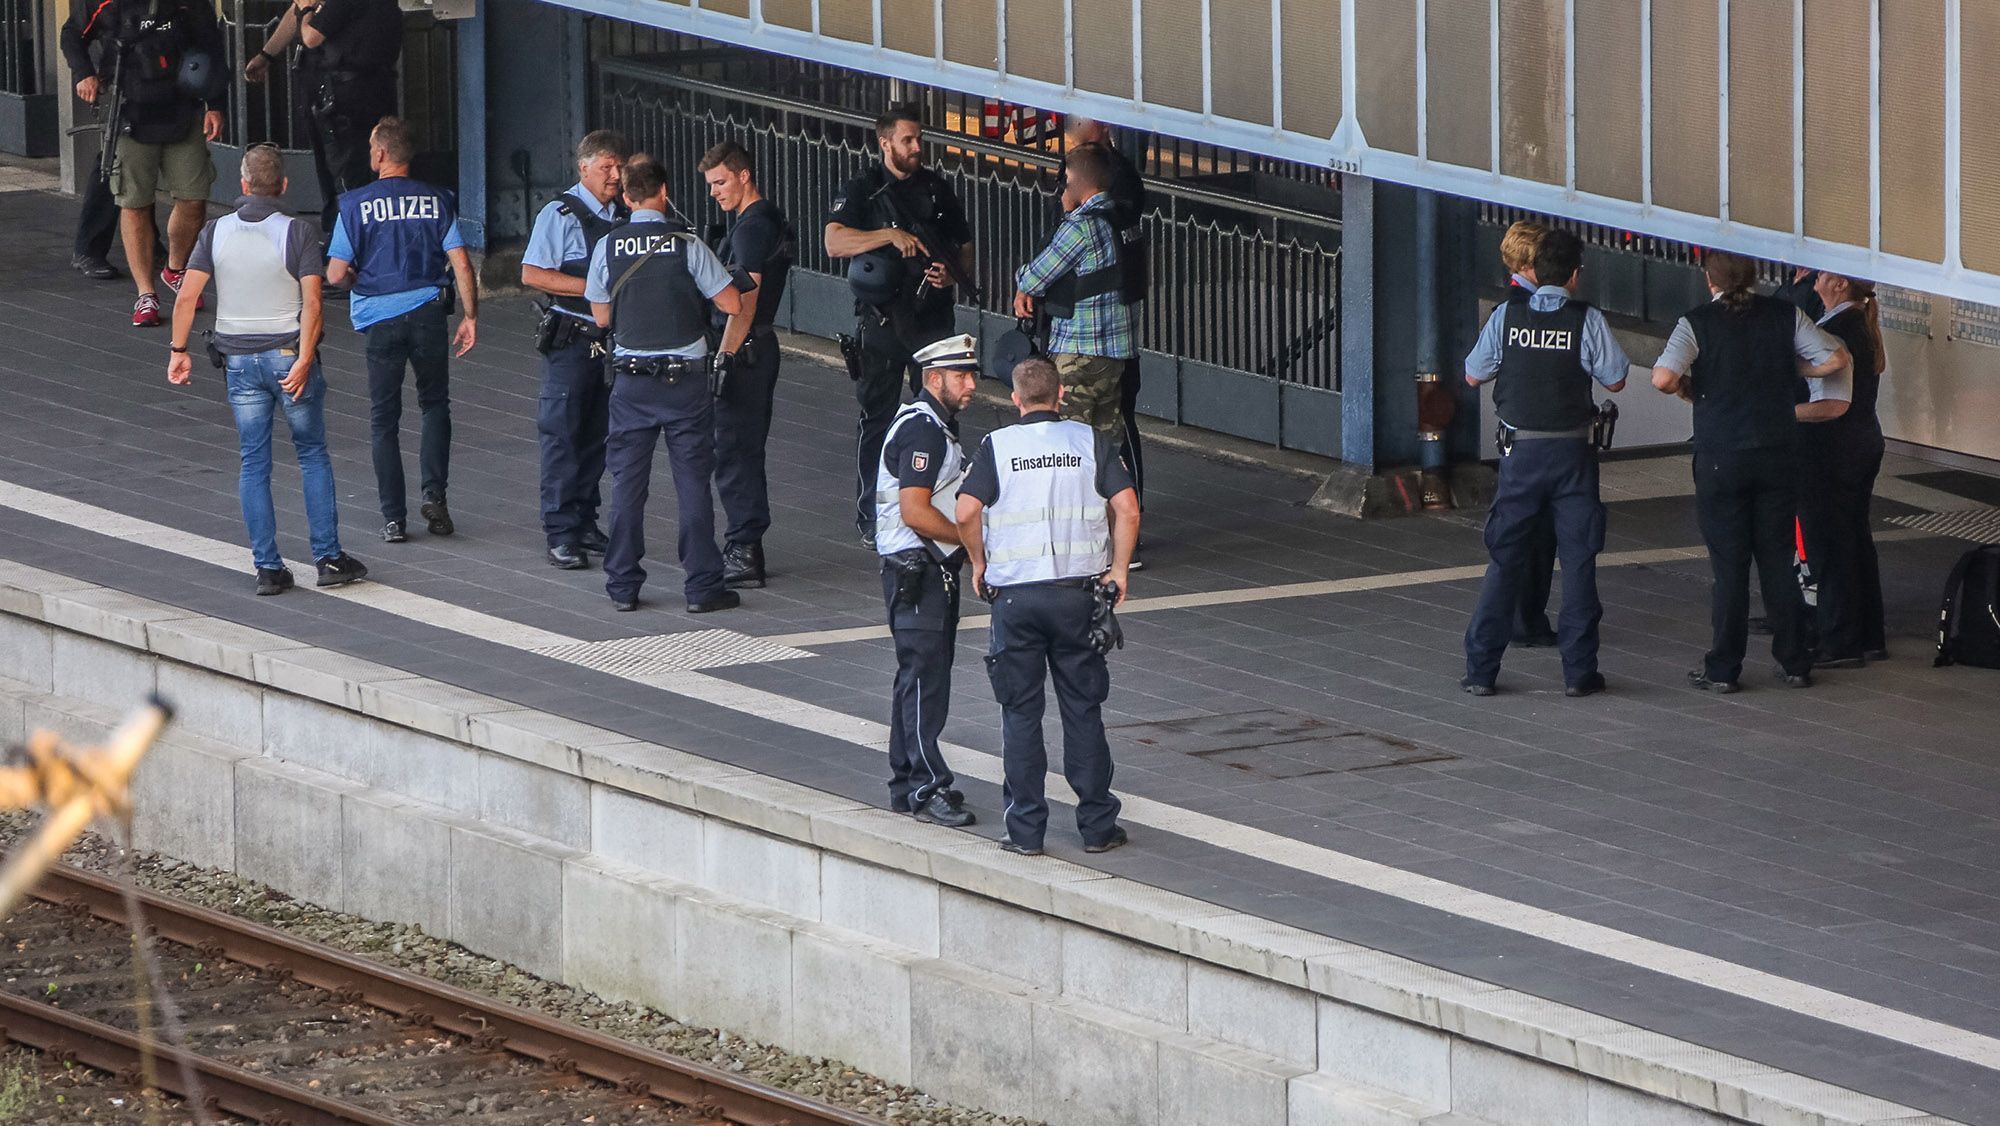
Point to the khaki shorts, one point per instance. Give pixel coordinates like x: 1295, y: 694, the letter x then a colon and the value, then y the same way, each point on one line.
x: 1090, y: 389
x: 182, y: 169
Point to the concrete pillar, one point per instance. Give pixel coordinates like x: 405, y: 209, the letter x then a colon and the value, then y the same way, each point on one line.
x: 532, y: 112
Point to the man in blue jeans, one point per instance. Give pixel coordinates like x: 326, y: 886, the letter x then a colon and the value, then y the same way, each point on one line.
x: 266, y: 266
x: 397, y: 240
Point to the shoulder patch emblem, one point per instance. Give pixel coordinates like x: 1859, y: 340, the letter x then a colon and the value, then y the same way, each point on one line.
x: 920, y: 461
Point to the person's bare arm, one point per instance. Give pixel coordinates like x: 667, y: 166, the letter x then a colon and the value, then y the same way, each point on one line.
x: 1841, y: 358
x: 971, y: 521
x: 312, y: 315
x: 1124, y: 540
x: 180, y: 365
x: 922, y: 516
x: 738, y: 329
x: 1825, y: 410
x: 259, y: 66
x: 553, y: 282
x: 339, y: 271
x: 468, y: 300
x: 308, y: 34
x: 843, y: 241
x: 600, y: 311
x: 1667, y: 380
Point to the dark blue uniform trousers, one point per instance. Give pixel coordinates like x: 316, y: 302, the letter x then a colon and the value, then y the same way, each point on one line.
x: 1746, y: 501
x: 643, y: 409
x: 571, y: 418
x: 1557, y: 476
x: 742, y: 424
x: 420, y: 340
x: 1045, y: 629
x: 926, y: 636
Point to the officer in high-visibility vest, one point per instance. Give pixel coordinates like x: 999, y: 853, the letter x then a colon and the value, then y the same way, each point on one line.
x: 916, y: 496
x: 1046, y: 511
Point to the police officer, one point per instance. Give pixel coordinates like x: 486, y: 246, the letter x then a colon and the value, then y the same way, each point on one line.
x: 1078, y: 281
x: 397, y: 240
x: 572, y: 412
x: 1032, y: 513
x: 347, y: 82
x: 761, y: 243
x: 1738, y: 358
x: 903, y: 296
x: 1127, y: 190
x: 1531, y: 617
x: 1541, y: 355
x: 651, y: 283
x: 916, y: 498
x: 168, y: 58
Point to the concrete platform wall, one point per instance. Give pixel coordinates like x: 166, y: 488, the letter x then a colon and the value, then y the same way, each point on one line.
x: 1031, y: 987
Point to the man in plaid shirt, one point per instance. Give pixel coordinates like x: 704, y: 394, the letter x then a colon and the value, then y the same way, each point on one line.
x: 1078, y: 281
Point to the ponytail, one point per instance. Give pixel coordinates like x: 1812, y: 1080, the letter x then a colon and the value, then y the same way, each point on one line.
x: 1871, y: 312
x: 1733, y: 276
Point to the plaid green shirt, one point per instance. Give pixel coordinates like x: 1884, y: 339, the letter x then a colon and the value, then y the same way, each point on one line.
x: 1102, y: 325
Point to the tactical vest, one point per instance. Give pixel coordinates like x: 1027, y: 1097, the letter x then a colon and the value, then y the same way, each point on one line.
x: 658, y: 308
x: 776, y: 270
x: 1071, y: 288
x: 157, y: 39
x: 1542, y: 383
x: 397, y: 227
x: 1745, y: 375
x: 891, y: 534
x: 1047, y: 521
x: 595, y: 227
x: 255, y: 295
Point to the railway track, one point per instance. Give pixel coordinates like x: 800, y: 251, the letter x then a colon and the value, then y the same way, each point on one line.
x: 283, y: 1031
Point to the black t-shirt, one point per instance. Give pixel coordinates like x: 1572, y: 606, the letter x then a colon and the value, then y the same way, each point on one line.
x: 754, y: 240
x: 982, y: 476
x: 362, y: 37
x: 923, y: 196
x: 915, y: 452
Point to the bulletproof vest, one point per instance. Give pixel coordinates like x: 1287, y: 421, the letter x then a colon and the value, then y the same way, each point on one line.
x: 595, y: 227
x: 156, y: 39
x: 918, y: 200
x: 1071, y: 287
x: 1128, y: 218
x: 891, y: 534
x: 397, y: 227
x: 775, y: 270
x: 1851, y: 327
x: 254, y: 294
x: 1744, y: 375
x: 1542, y: 383
x: 658, y: 308
x: 1048, y: 521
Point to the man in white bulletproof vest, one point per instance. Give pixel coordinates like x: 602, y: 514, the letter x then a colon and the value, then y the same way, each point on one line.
x: 916, y: 499
x: 1047, y: 513
x: 1542, y: 355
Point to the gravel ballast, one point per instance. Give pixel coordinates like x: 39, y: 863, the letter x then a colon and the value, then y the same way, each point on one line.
x: 407, y: 947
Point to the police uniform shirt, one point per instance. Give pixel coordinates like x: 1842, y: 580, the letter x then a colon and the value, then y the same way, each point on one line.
x: 1598, y: 349
x: 367, y: 309
x: 363, y: 38
x: 754, y: 240
x: 1840, y: 385
x: 923, y: 195
x: 1809, y: 343
x: 558, y: 237
x: 982, y: 477
x: 707, y: 270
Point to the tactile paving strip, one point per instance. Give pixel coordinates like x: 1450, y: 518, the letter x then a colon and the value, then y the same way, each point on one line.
x: 695, y: 649
x: 1980, y: 525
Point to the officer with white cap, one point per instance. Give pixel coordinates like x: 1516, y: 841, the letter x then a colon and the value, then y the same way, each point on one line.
x: 1049, y: 518
x: 916, y: 496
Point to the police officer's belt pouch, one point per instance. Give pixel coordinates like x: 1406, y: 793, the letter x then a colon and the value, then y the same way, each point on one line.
x: 1105, y: 632
x: 912, y: 566
x: 558, y: 330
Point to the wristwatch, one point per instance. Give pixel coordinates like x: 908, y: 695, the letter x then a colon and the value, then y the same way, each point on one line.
x: 178, y: 349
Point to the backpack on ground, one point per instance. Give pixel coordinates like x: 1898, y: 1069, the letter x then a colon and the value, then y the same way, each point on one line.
x: 1969, y: 618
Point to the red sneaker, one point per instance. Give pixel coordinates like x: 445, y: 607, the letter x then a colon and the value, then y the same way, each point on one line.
x: 172, y: 279
x: 146, y: 311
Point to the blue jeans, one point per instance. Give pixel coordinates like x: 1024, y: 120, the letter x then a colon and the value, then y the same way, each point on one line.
x: 254, y: 395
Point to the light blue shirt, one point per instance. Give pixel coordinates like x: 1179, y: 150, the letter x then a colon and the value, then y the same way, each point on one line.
x: 1602, y: 357
x: 710, y: 276
x: 558, y: 238
x: 363, y: 310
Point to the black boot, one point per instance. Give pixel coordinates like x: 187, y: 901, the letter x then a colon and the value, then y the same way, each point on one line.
x: 743, y: 565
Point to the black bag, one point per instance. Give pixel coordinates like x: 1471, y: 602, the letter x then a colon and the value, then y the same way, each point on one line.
x: 1969, y: 618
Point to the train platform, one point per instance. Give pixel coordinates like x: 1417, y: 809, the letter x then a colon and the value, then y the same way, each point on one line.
x: 1807, y: 880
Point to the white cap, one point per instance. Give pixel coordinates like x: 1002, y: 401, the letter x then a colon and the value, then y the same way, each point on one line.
x: 959, y: 352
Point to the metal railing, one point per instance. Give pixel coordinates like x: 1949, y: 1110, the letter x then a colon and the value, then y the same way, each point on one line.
x: 1237, y: 283
x: 24, y: 32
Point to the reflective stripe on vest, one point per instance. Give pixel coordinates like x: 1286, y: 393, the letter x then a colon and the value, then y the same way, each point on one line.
x: 254, y: 294
x: 1048, y: 521
x: 891, y: 534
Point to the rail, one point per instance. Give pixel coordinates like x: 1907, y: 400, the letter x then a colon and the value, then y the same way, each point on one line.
x: 24, y: 33
x: 417, y: 1000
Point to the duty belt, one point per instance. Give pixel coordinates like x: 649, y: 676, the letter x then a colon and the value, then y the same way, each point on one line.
x: 669, y: 368
x: 1504, y: 436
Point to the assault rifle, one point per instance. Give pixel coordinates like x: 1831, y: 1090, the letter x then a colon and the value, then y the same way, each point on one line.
x: 110, y: 103
x: 936, y: 248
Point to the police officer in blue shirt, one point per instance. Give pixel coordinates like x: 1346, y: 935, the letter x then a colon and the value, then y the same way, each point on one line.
x: 652, y: 283
x: 397, y: 241
x: 572, y: 412
x: 1541, y: 355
